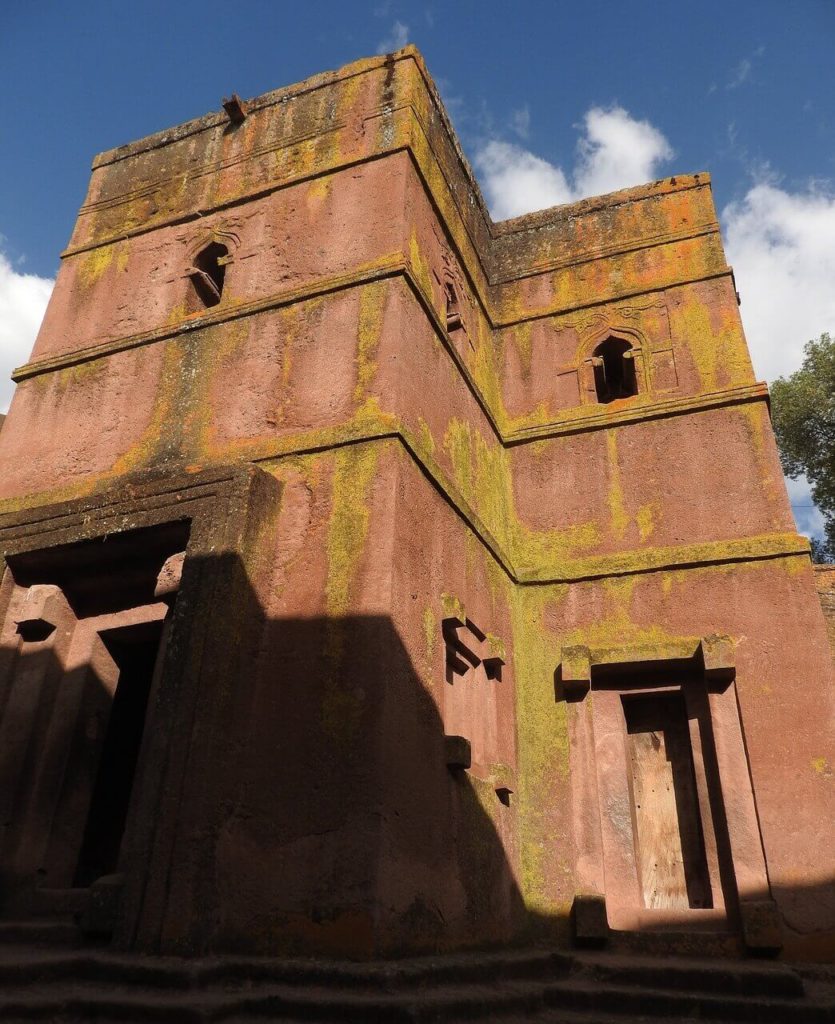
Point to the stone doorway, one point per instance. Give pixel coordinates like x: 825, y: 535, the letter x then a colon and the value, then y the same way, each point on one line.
x: 667, y: 823
x: 666, y: 828
x: 135, y: 651
x: 82, y: 642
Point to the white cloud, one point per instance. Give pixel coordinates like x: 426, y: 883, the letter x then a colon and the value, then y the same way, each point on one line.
x: 742, y: 72
x: 396, y: 40
x: 516, y: 182
x: 614, y: 151
x: 806, y: 514
x: 779, y: 242
x: 780, y: 245
x: 617, y: 151
x: 23, y: 299
x: 520, y: 122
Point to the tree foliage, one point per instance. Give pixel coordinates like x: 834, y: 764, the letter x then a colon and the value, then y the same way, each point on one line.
x: 803, y: 411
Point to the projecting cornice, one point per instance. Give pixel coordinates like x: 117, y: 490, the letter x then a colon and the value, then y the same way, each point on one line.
x: 365, y: 111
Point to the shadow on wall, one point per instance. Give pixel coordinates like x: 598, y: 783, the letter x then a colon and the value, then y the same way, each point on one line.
x: 259, y: 785
x: 275, y: 786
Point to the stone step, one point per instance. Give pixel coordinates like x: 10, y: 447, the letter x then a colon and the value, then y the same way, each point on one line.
x: 38, y: 983
x: 653, y: 1002
x: 687, y: 974
x: 21, y: 965
x: 95, y: 1001
x: 43, y: 931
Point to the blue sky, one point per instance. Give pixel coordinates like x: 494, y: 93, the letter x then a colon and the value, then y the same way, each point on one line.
x: 551, y: 100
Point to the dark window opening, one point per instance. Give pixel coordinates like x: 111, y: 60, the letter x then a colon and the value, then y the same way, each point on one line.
x: 134, y: 649
x: 453, y: 308
x: 208, y: 273
x: 614, y: 370
x: 108, y: 574
x: 669, y: 840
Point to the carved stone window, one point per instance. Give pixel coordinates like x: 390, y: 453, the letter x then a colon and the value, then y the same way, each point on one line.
x: 613, y: 362
x: 453, y: 308
x: 208, y: 273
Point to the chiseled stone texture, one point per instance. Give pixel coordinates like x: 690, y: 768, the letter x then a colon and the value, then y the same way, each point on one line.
x: 825, y: 581
x: 391, y: 419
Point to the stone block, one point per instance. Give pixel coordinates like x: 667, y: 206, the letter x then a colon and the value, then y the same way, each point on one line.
x: 170, y: 575
x: 589, y: 919
x: 44, y: 609
x: 761, y: 929
x: 103, y: 900
x: 458, y: 753
x: 718, y: 657
x: 575, y: 670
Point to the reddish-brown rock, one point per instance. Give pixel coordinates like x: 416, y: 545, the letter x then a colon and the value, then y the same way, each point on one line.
x: 492, y: 604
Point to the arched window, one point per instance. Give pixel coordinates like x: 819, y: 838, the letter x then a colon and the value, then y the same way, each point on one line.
x: 208, y: 273
x: 614, y: 370
x: 453, y: 307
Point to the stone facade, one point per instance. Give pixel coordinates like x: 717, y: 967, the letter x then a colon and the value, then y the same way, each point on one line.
x: 381, y: 579
x: 825, y: 580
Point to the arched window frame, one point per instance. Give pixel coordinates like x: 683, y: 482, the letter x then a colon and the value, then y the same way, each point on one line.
x: 589, y: 367
x: 204, y: 292
x: 452, y: 306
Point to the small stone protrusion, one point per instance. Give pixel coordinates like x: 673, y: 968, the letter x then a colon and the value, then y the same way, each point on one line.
x: 103, y: 901
x: 235, y: 108
x: 41, y: 613
x: 467, y: 647
x: 458, y: 753
x: 170, y: 575
x: 590, y: 919
x: 574, y: 671
x: 761, y: 926
x: 718, y: 658
x: 504, y: 793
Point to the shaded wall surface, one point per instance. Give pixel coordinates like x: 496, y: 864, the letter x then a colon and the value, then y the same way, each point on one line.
x: 420, y: 506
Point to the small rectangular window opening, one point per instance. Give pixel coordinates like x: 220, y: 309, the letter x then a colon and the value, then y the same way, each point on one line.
x: 208, y: 273
x: 453, y: 308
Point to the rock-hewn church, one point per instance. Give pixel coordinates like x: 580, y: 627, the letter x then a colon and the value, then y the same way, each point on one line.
x: 381, y: 580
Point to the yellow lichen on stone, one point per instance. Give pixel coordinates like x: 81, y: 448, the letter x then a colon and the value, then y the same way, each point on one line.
x: 645, y: 518
x: 430, y: 635
x: 453, y: 607
x: 372, y: 301
x: 618, y: 517
x: 496, y: 645
x: 353, y: 476
x: 318, y: 191
x: 94, y: 264
x: 420, y: 267
x: 542, y: 736
x: 522, y: 336
x: 354, y: 470
x: 425, y: 437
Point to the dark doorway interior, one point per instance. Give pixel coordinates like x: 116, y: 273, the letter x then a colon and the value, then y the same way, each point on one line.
x: 135, y: 650
x: 87, y: 726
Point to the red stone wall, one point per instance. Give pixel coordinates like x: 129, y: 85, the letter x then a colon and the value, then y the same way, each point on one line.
x: 825, y: 582
x: 436, y: 472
